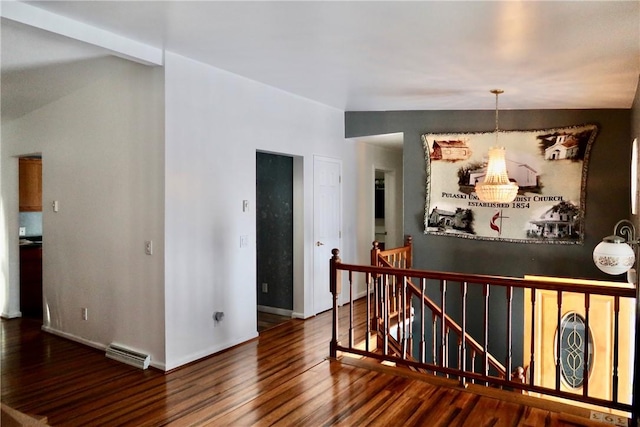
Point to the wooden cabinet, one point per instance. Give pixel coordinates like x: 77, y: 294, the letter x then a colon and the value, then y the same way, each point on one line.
x: 30, y: 185
x: 31, y: 281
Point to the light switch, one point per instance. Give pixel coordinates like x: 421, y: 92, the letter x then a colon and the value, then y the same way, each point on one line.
x: 244, y: 241
x: 22, y: 231
x: 245, y: 206
x: 56, y: 206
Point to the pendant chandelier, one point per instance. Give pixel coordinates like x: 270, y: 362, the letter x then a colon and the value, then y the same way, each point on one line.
x: 496, y: 187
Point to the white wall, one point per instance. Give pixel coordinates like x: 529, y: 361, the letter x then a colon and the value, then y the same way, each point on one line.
x: 215, y: 122
x: 118, y: 185
x: 370, y: 158
x: 103, y: 160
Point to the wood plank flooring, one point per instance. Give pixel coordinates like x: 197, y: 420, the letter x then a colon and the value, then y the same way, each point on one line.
x: 269, y: 320
x: 283, y: 378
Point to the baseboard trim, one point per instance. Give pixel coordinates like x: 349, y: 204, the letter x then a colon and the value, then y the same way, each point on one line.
x: 275, y: 310
x: 210, y: 351
x: 98, y: 346
x: 75, y: 338
x: 11, y: 315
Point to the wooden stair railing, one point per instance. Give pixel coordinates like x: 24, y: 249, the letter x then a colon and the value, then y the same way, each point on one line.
x: 402, y: 258
x: 383, y: 278
x: 395, y: 343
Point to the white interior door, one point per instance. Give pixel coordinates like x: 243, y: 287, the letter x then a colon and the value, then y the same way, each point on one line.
x: 327, y: 224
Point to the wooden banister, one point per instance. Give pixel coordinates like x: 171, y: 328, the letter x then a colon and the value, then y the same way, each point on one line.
x: 457, y: 329
x: 395, y: 287
x: 404, y: 253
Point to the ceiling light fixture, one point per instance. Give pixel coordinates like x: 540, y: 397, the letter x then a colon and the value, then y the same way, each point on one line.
x: 496, y: 187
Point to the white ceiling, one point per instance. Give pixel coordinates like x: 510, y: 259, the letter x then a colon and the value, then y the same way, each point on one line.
x: 358, y: 55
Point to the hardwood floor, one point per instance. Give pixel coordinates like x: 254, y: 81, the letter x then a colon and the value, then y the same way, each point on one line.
x: 282, y: 378
x: 269, y: 320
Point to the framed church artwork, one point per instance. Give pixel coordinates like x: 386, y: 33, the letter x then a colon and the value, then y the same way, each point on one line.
x: 550, y: 167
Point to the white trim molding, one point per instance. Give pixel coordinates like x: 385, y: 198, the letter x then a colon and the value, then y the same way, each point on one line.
x: 118, y: 45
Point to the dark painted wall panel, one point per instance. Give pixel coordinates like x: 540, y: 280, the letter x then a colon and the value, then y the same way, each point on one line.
x: 607, y: 197
x: 274, y: 228
x: 607, y: 201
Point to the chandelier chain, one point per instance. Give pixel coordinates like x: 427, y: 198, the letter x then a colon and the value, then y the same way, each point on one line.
x: 497, y: 92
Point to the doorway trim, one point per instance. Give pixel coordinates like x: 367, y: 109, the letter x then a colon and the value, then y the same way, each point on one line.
x: 298, y: 238
x: 10, y: 298
x: 390, y: 207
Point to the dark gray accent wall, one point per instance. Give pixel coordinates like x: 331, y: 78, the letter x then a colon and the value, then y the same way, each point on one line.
x: 607, y: 197
x: 274, y: 229
x: 607, y: 201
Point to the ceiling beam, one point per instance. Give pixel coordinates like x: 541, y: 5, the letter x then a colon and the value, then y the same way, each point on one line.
x: 114, y: 43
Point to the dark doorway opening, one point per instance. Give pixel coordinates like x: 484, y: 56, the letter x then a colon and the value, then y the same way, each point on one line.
x: 274, y: 238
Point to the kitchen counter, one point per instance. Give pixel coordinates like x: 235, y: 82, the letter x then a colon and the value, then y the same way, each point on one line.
x: 31, y: 241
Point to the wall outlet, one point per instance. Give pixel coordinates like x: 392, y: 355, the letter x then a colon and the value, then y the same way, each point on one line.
x: 85, y: 313
x: 148, y: 247
x: 22, y: 231
x: 265, y: 288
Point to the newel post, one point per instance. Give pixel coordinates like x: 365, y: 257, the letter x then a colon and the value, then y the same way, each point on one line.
x: 375, y: 253
x: 335, y: 286
x: 375, y: 250
x: 408, y: 241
